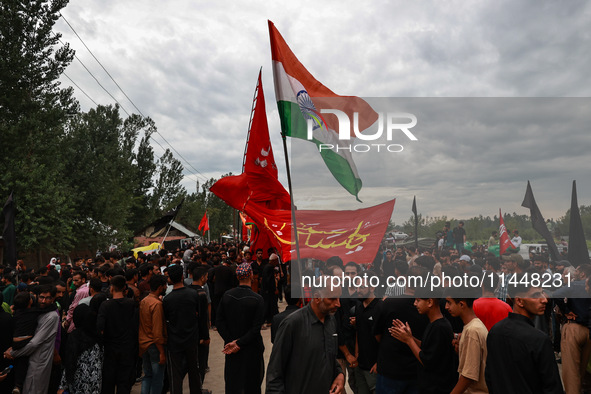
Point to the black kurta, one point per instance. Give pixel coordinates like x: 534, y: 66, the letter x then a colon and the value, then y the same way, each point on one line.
x: 304, y: 356
x: 240, y: 317
x: 520, y: 359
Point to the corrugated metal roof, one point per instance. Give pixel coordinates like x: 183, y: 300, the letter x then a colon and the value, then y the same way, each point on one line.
x: 183, y: 229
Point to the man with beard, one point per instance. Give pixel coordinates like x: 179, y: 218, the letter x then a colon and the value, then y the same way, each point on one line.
x: 41, y: 346
x: 257, y: 270
x: 520, y: 358
x: 304, y: 356
x: 82, y: 291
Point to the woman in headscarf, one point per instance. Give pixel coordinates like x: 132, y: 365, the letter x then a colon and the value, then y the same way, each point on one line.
x: 84, y: 353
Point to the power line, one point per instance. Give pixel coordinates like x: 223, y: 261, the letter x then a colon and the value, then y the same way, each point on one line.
x: 124, y: 110
x: 100, y: 64
x: 128, y: 98
x: 97, y: 81
x: 79, y: 88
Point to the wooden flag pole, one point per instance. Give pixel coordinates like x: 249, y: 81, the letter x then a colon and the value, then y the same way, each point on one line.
x: 165, y: 235
x: 296, y: 276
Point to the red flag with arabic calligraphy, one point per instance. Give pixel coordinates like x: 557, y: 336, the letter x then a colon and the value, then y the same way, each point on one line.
x: 504, y: 241
x: 352, y: 235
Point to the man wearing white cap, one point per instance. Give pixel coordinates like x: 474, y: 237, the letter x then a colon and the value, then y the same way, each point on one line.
x: 465, y: 262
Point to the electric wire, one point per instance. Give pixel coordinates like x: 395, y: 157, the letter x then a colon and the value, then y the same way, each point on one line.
x: 79, y: 88
x: 129, y: 99
x: 188, y: 175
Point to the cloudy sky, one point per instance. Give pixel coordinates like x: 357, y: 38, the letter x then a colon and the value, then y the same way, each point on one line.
x: 192, y: 67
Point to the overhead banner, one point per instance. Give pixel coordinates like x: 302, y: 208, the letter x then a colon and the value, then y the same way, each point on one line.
x: 351, y: 235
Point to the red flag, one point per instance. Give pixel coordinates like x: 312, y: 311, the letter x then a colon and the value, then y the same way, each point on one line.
x: 258, y: 183
x: 504, y: 241
x: 351, y: 235
x: 259, y: 162
x: 204, y: 224
x: 232, y: 189
x: 263, y: 239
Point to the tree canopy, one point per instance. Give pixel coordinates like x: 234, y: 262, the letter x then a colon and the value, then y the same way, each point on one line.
x: 81, y: 180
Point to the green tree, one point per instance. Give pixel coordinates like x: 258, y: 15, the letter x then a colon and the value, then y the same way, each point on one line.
x: 428, y: 226
x: 144, y: 168
x: 118, y: 189
x: 168, y: 189
x: 563, y: 224
x: 33, y: 111
x: 102, y: 171
x: 219, y: 213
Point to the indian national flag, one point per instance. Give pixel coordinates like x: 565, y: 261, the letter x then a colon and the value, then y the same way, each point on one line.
x: 301, y: 97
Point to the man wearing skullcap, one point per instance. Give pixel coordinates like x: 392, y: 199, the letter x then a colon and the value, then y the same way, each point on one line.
x: 239, y: 319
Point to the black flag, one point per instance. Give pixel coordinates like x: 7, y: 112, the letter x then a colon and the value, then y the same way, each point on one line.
x: 414, y: 210
x: 9, y: 234
x: 538, y: 223
x: 577, y: 247
x: 166, y: 218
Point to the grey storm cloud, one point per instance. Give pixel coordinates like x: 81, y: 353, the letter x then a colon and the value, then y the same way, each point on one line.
x: 192, y: 67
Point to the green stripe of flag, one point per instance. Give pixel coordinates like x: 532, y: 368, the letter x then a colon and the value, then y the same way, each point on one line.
x: 294, y: 125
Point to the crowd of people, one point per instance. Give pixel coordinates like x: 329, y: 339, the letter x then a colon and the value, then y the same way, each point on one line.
x: 99, y: 325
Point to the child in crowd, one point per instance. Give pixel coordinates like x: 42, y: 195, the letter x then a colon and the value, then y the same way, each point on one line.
x: 471, y: 347
x: 437, y: 374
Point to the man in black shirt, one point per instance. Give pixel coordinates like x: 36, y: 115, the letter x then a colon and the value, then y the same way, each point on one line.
x: 239, y: 320
x: 397, y: 366
x: 304, y: 354
x: 223, y: 278
x: 346, y: 332
x: 199, y: 279
x: 269, y: 287
x: 291, y: 308
x: 520, y: 358
x: 185, y: 331
x: 367, y: 345
x: 575, y: 344
x: 438, y: 371
x: 459, y: 234
x: 257, y: 270
x: 117, y: 323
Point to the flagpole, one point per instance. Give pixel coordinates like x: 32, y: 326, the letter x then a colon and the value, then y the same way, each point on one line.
x: 294, y: 226
x: 414, y: 209
x: 254, y: 100
x: 165, y: 235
